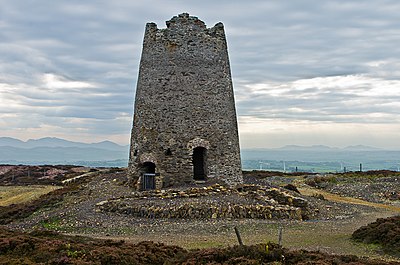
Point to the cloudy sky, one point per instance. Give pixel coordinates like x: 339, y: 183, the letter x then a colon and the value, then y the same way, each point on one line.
x: 304, y: 72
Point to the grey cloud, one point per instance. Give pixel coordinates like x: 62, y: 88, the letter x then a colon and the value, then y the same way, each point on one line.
x: 270, y: 42
x: 360, y: 103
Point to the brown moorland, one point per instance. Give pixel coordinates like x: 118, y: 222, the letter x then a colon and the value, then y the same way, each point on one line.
x: 53, y: 248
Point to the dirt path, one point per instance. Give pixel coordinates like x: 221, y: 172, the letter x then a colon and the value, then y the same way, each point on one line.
x: 309, y: 191
x: 84, y: 175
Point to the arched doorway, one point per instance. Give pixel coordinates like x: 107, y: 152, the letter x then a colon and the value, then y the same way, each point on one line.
x: 199, y: 160
x: 149, y: 167
x: 149, y: 176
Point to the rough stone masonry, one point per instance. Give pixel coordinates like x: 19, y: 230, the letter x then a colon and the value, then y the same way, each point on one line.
x: 184, y: 126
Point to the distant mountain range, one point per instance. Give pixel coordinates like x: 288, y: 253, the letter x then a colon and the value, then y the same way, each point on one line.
x: 51, y: 150
x: 57, y: 142
x: 59, y: 151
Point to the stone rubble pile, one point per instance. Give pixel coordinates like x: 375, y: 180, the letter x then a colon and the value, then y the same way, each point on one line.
x: 249, y: 201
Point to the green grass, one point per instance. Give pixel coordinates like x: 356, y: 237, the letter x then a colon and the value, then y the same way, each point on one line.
x: 204, y: 244
x: 53, y: 223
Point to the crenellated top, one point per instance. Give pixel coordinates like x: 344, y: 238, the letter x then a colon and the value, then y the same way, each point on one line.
x: 184, y: 22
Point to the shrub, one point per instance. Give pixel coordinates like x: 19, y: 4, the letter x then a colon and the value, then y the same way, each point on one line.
x: 384, y: 231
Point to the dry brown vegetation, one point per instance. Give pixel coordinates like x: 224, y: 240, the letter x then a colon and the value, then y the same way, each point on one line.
x: 384, y: 232
x: 14, y: 212
x: 52, y: 248
x: 22, y: 175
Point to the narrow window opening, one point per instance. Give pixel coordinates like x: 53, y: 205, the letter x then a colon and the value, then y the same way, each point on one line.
x: 168, y: 152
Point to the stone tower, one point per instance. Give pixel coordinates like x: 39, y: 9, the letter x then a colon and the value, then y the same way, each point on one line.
x: 184, y: 126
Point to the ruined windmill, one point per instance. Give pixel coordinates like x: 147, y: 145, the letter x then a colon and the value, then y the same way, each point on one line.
x: 184, y: 127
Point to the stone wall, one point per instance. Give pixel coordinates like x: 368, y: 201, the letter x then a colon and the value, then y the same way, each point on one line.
x: 184, y: 99
x: 251, y: 201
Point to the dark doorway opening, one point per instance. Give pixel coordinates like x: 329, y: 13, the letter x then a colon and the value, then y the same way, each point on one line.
x: 149, y: 176
x: 199, y: 163
x: 149, y: 167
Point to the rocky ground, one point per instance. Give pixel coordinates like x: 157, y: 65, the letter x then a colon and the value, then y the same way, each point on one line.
x: 373, y: 186
x: 105, y: 203
x: 212, y: 202
x: 78, y: 209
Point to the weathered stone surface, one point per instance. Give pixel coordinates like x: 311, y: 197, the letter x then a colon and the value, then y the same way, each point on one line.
x: 184, y: 100
x: 253, y: 201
